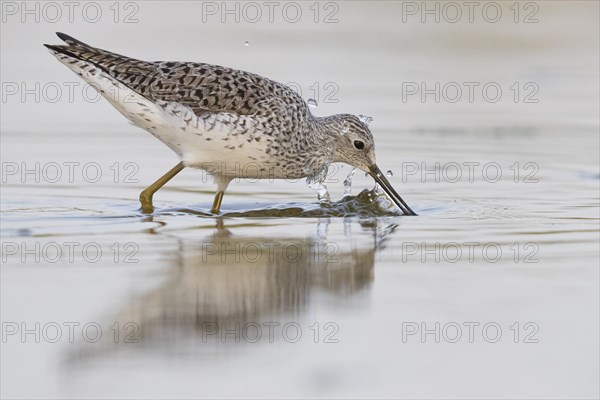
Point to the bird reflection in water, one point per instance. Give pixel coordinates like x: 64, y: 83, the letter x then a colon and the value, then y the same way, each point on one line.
x: 226, y: 285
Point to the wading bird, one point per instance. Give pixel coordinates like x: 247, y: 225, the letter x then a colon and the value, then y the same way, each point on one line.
x: 223, y: 120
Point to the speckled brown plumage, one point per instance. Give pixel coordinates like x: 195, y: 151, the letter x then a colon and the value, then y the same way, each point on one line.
x: 232, y: 123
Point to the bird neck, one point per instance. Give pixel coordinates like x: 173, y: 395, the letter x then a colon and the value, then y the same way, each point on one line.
x: 331, y: 128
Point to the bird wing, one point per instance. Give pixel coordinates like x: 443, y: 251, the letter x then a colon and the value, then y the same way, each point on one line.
x: 204, y: 88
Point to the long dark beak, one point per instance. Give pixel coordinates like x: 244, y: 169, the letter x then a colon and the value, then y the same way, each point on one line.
x: 375, y: 172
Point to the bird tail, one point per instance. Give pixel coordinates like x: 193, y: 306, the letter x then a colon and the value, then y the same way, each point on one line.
x: 75, y: 51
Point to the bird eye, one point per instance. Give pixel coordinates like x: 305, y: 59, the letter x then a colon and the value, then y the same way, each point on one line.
x: 359, y: 145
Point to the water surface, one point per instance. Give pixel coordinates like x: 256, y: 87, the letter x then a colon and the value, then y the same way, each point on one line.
x: 281, y: 296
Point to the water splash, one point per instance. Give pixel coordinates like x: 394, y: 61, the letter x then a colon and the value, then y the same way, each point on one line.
x: 377, y: 190
x: 348, y: 183
x: 365, y: 119
x: 312, y: 103
x: 381, y: 199
x: 318, y: 182
x: 362, y: 205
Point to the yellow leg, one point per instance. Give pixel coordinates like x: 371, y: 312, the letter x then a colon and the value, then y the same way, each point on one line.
x: 146, y: 195
x: 217, y: 202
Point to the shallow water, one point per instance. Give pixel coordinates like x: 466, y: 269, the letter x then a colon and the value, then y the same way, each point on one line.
x: 492, y: 291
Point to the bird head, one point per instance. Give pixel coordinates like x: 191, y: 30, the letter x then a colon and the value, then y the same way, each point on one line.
x: 353, y: 144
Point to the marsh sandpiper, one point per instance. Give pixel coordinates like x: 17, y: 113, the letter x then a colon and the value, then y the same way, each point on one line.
x: 230, y: 123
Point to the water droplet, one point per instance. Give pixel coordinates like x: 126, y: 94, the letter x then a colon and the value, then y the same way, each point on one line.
x: 365, y: 119
x: 246, y: 43
x: 389, y: 173
x: 318, y: 183
x: 348, y: 183
x: 367, y: 175
x: 312, y: 102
